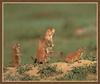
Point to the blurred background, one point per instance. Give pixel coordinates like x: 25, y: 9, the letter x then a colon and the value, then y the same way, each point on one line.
x: 75, y: 26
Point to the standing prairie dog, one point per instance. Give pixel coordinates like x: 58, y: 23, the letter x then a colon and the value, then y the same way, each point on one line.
x: 16, y: 55
x: 49, y: 39
x: 45, y: 46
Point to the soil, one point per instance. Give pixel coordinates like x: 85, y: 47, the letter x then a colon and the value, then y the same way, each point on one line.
x: 61, y: 66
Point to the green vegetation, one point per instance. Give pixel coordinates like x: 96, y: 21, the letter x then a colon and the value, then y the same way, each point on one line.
x: 48, y: 70
x: 23, y: 68
x: 20, y: 77
x: 79, y: 73
x: 90, y: 53
x: 28, y: 78
x: 52, y: 73
x: 92, y: 68
x: 27, y: 23
x: 10, y: 77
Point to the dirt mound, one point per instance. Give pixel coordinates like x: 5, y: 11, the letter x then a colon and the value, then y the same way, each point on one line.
x: 64, y: 67
x: 61, y: 68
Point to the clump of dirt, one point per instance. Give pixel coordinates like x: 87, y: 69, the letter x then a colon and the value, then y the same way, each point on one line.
x: 33, y: 72
x: 64, y: 67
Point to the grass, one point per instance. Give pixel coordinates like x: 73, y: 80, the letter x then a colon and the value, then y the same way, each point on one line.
x: 76, y: 74
x: 23, y: 68
x: 27, y: 23
x: 9, y: 77
x: 92, y: 68
x: 90, y: 52
x: 50, y: 72
x: 79, y: 73
x: 28, y: 78
x: 47, y: 71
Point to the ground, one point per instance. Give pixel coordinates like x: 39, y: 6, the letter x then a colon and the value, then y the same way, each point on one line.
x: 50, y: 73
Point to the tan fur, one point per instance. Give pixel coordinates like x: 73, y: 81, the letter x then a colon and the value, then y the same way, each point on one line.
x: 45, y: 46
x: 49, y: 34
x: 16, y: 60
x: 49, y: 40
x: 74, y: 56
x: 41, y: 52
